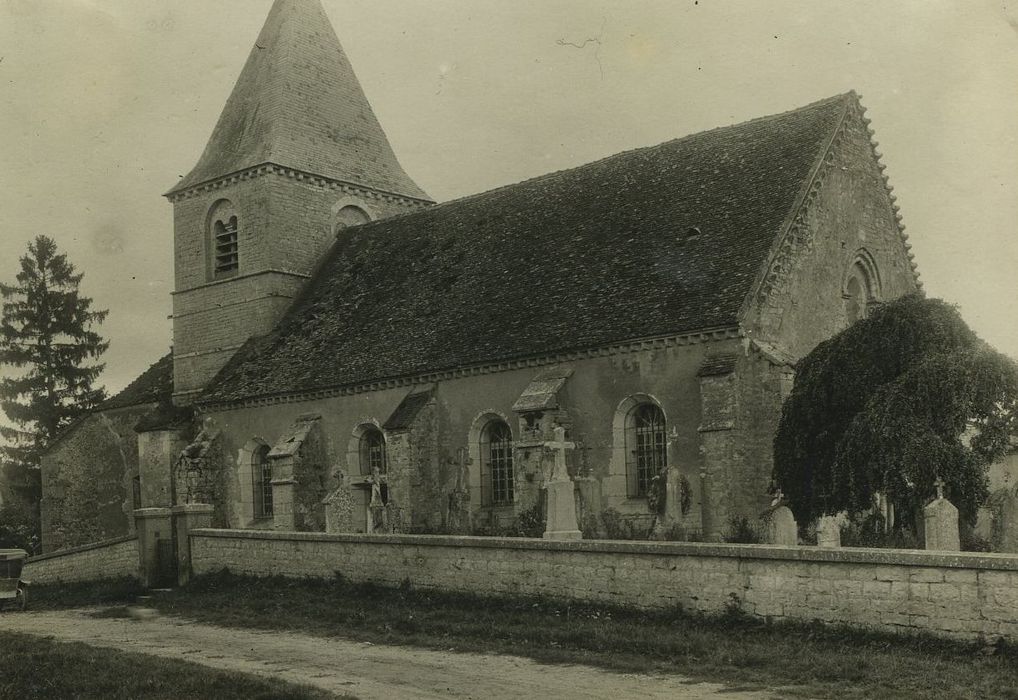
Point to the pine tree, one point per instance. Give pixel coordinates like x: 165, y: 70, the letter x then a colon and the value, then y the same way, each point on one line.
x: 47, y: 330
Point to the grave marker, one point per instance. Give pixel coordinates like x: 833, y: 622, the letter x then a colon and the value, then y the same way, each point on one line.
x: 561, y: 519
x: 940, y: 521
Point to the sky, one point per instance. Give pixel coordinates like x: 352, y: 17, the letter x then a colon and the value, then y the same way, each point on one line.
x: 104, y: 104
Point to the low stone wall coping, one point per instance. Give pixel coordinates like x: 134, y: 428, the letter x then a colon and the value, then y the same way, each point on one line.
x: 79, y: 549
x: 848, y: 555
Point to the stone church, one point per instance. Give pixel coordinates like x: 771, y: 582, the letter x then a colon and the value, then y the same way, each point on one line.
x: 350, y: 356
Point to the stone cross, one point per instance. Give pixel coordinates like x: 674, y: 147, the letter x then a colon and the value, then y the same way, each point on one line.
x: 940, y: 522
x: 939, y: 483
x: 560, y: 472
x: 561, y: 512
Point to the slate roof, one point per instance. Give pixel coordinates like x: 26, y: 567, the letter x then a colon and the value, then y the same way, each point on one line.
x: 411, y: 405
x: 299, y: 104
x: 717, y: 365
x: 153, y: 385
x: 651, y: 242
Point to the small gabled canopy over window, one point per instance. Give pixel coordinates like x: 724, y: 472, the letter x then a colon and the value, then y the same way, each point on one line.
x: 223, y: 240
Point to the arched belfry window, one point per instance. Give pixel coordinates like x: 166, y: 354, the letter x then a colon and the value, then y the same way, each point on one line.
x: 496, y: 450
x: 646, y: 447
x: 372, y: 451
x: 223, y: 240
x: 261, y: 486
x: 861, y: 289
x: 347, y: 216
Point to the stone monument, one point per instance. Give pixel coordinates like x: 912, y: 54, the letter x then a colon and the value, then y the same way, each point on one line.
x: 561, y: 519
x: 781, y: 526
x: 339, y: 506
x: 829, y: 531
x: 940, y: 522
x: 1005, y: 531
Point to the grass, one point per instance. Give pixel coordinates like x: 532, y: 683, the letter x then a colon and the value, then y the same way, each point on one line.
x: 31, y: 667
x: 801, y: 659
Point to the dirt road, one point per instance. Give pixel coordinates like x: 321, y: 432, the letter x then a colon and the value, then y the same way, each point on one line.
x: 361, y: 669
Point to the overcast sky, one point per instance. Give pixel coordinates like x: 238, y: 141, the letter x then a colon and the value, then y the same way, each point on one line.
x: 105, y: 103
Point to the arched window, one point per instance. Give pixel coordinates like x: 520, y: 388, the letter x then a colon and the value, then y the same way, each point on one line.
x: 646, y: 447
x: 223, y: 240
x: 496, y: 451
x: 861, y: 287
x: 372, y: 451
x: 261, y: 482
x: 349, y: 215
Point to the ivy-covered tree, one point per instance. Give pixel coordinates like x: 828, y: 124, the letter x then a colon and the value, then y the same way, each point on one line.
x: 890, y: 404
x: 48, y: 332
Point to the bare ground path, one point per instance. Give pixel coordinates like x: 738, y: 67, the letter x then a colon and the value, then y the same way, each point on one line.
x: 361, y: 669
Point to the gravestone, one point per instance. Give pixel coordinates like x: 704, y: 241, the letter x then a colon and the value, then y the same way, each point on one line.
x: 829, y: 531
x: 673, y: 496
x: 1006, y: 529
x: 781, y: 526
x: 339, y: 507
x: 561, y: 513
x: 458, y: 512
x: 940, y: 522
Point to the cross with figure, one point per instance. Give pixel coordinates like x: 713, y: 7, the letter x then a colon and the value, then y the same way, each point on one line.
x: 560, y: 472
x: 939, y: 483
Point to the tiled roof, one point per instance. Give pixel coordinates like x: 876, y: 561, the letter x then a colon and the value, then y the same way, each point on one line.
x: 298, y: 104
x: 406, y: 413
x: 651, y: 242
x: 154, y: 385
x: 717, y: 365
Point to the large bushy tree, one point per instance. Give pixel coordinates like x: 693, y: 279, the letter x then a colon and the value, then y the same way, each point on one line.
x: 48, y: 337
x: 890, y: 404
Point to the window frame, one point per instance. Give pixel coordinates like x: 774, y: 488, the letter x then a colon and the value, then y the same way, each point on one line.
x: 370, y: 454
x: 498, y: 469
x: 262, y: 506
x: 646, y: 445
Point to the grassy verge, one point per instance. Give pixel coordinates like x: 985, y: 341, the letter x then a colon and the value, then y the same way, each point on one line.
x: 809, y: 660
x: 31, y: 667
x: 80, y: 595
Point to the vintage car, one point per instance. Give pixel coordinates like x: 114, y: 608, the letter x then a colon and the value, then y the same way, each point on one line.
x: 12, y: 586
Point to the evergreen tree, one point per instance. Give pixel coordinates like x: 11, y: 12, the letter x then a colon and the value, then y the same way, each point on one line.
x: 889, y: 405
x: 47, y: 330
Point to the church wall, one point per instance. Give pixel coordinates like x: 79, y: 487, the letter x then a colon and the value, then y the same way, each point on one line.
x: 852, y: 211
x: 88, y: 480
x: 594, y: 392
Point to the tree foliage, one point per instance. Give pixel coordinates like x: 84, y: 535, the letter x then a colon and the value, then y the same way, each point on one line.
x: 890, y: 404
x: 47, y: 330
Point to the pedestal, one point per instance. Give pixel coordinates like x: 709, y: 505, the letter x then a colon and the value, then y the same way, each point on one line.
x: 186, y: 518
x: 561, y: 520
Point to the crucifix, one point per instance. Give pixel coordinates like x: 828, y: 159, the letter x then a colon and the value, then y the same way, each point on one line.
x: 559, y: 444
x: 939, y: 483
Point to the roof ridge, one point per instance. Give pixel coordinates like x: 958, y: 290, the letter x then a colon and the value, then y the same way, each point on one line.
x: 629, y: 152
x: 586, y: 257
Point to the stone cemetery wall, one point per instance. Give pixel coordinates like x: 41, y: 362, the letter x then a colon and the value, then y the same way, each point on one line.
x: 963, y: 595
x: 103, y: 560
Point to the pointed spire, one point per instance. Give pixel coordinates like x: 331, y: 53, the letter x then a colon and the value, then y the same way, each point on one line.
x: 298, y: 104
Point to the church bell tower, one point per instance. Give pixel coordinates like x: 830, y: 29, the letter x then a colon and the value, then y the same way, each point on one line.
x: 296, y: 155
